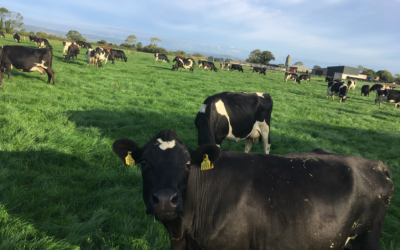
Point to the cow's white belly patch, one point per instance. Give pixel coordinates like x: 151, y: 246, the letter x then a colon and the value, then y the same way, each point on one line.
x: 166, y: 144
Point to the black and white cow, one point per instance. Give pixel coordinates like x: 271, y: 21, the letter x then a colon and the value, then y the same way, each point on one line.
x: 212, y: 199
x: 376, y: 87
x: 73, y: 51
x: 42, y: 42
x: 2, y: 34
x: 16, y: 38
x: 226, y: 66
x: 387, y: 95
x: 66, y: 46
x: 162, y: 57
x: 365, y: 89
x: 337, y: 88
x: 305, y: 77
x: 33, y: 39
x: 351, y: 84
x: 80, y: 43
x: 237, y: 67
x: 184, y: 64
x: 235, y: 117
x: 86, y: 45
x: 119, y: 54
x: 291, y: 76
x: 200, y: 63
x: 259, y: 70
x: 208, y: 65
x: 93, y: 56
x: 329, y: 79
x: 27, y: 60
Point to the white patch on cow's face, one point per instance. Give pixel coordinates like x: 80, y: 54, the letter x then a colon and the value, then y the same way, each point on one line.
x: 203, y: 108
x: 166, y: 144
x: 41, y: 65
x: 260, y: 94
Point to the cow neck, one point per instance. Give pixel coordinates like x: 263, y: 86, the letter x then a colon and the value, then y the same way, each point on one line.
x: 176, y: 233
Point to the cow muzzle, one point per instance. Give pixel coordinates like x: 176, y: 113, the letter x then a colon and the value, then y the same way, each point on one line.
x: 166, y: 204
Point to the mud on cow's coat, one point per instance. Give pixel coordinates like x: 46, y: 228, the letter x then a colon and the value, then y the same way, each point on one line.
x: 235, y: 117
x: 212, y: 199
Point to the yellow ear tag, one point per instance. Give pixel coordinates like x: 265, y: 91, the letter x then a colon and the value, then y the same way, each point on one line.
x: 206, y: 164
x: 129, y: 160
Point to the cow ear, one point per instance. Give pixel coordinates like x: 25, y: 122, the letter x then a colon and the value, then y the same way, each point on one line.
x: 210, y: 152
x: 127, y: 150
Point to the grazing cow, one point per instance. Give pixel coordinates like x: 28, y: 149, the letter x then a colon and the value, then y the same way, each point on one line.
x: 365, y: 89
x: 212, y: 199
x: 119, y: 54
x: 208, y: 65
x: 178, y: 57
x: 337, y: 88
x: 387, y: 95
x: 291, y: 76
x: 226, y: 66
x: 184, y: 64
x: 237, y: 67
x: 80, y: 43
x: 259, y: 70
x: 2, y: 34
x: 17, y: 38
x: 27, y: 60
x: 73, y: 51
x: 33, y: 39
x: 305, y: 77
x: 86, y: 45
x: 95, y: 55
x: 235, y: 117
x: 351, y: 84
x: 42, y: 42
x: 329, y: 79
x: 162, y: 57
x: 110, y: 54
x: 200, y: 62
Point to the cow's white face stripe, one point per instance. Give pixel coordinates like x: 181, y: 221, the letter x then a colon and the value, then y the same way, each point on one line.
x: 166, y: 144
x: 203, y: 108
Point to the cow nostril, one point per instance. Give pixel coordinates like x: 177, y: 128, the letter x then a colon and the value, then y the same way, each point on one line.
x: 155, y: 200
x: 174, y: 200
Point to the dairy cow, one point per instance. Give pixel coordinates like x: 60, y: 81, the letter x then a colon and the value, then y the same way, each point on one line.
x: 66, y: 46
x: 365, y: 89
x: 259, y: 70
x: 212, y: 199
x: 42, y: 42
x: 34, y: 39
x: 235, y: 117
x: 226, y: 66
x: 351, y: 84
x: 237, y: 67
x: 95, y: 56
x: 27, y: 60
x: 184, y: 64
x: 208, y: 65
x: 337, y: 88
x: 73, y: 51
x: 305, y: 77
x: 161, y: 57
x: 291, y: 76
x: 119, y: 54
x: 386, y: 95
x: 16, y: 38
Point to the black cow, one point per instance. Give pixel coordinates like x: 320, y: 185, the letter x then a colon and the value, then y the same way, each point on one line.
x: 365, y: 89
x: 208, y: 65
x: 81, y: 43
x: 213, y: 199
x: 162, y: 57
x: 236, y: 67
x: 387, y: 95
x: 235, y: 117
x: 17, y: 38
x: 2, y: 34
x: 86, y: 45
x: 259, y: 70
x: 42, y: 42
x: 27, y: 60
x: 291, y: 76
x: 305, y: 77
x: 119, y: 54
x: 33, y: 39
x: 184, y: 64
x: 337, y: 88
x: 73, y: 51
x: 329, y: 79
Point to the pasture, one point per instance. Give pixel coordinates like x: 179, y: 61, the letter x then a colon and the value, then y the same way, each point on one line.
x: 62, y: 187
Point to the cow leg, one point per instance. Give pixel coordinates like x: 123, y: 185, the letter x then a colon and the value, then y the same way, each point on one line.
x: 8, y: 68
x: 50, y: 75
x: 266, y: 140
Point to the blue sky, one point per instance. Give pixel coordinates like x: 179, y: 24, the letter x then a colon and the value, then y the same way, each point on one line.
x: 325, y: 32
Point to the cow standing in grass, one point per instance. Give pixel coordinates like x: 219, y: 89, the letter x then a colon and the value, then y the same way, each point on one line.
x: 161, y: 57
x: 237, y: 67
x: 226, y: 66
x: 208, y: 65
x: 337, y: 88
x: 365, y: 89
x: 73, y: 51
x: 2, y: 34
x: 17, y: 38
x: 305, y: 77
x: 259, y: 70
x: 351, y: 84
x: 42, y: 42
x: 184, y: 64
x: 291, y: 76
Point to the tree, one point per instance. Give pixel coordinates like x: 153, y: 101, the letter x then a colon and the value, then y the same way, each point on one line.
x: 397, y: 78
x: 132, y: 39
x: 369, y: 72
x: 265, y: 57
x: 13, y: 20
x: 360, y: 68
x: 298, y: 63
x: 154, y: 40
x: 75, y: 35
x: 139, y: 45
x: 3, y: 15
x: 23, y: 32
x: 287, y: 64
x: 253, y: 56
x: 317, y: 67
x: 31, y: 33
x: 102, y: 42
x: 385, y: 75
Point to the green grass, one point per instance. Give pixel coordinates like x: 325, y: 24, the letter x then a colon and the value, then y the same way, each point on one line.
x: 62, y: 187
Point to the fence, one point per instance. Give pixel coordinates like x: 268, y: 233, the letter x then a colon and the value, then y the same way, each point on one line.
x: 269, y: 67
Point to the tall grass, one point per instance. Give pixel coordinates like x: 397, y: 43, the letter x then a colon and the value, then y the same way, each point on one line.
x: 61, y: 187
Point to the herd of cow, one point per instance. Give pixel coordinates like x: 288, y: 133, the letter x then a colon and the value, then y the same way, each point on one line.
x: 210, y: 198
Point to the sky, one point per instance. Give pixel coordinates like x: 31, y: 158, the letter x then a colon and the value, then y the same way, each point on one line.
x: 323, y: 32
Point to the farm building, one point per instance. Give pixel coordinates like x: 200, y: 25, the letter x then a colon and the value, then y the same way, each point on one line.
x: 300, y: 68
x: 320, y: 72
x: 345, y: 72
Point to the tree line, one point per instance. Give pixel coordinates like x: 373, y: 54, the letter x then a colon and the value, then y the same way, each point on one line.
x: 9, y: 20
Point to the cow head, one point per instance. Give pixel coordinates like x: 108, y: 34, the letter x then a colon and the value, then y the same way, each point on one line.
x: 165, y: 166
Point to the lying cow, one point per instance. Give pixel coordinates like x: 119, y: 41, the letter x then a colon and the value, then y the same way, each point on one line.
x: 2, y: 34
x: 365, y: 89
x: 73, y: 51
x: 235, y: 117
x: 237, y: 67
x: 386, y: 95
x: 184, y: 64
x: 42, y: 42
x: 291, y: 76
x: 27, y: 60
x: 212, y: 199
x: 16, y: 38
x: 119, y: 54
x: 226, y: 66
x: 161, y: 57
x: 259, y: 70
x: 305, y: 77
x: 208, y: 65
x: 351, y: 84
x: 337, y: 88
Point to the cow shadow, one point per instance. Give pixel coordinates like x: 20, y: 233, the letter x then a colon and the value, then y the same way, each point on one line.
x: 347, y: 111
x: 28, y: 75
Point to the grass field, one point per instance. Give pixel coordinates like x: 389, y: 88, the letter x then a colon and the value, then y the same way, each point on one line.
x: 62, y: 187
